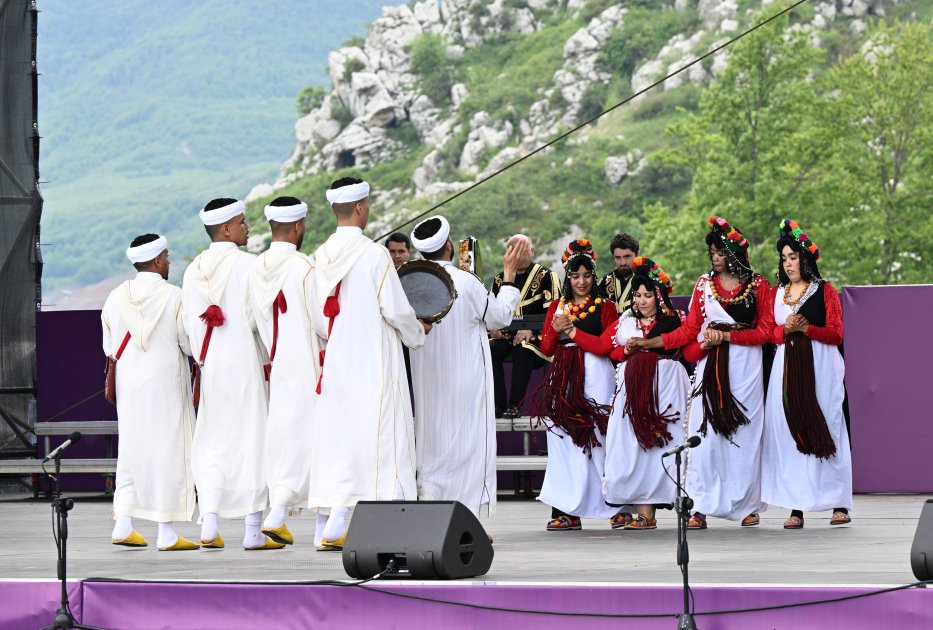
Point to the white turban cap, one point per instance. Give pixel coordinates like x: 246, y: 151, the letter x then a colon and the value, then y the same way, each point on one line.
x: 348, y: 194
x: 436, y: 241
x: 147, y: 251
x: 287, y: 214
x: 222, y: 215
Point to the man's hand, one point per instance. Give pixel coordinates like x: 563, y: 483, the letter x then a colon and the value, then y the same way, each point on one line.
x: 522, y: 336
x: 495, y: 333
x: 427, y: 327
x: 515, y: 254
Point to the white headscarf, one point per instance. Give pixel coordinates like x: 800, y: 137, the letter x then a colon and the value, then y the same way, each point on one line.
x: 147, y: 251
x: 348, y: 194
x: 222, y: 215
x: 434, y: 242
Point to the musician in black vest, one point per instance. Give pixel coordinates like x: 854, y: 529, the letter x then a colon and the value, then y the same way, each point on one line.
x: 538, y: 286
x: 616, y: 286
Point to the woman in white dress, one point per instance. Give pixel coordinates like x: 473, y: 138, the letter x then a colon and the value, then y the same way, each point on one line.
x: 574, y: 398
x: 652, y: 393
x: 806, y: 461
x: 730, y: 318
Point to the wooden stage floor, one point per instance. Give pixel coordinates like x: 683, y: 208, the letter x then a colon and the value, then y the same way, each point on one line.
x: 874, y: 549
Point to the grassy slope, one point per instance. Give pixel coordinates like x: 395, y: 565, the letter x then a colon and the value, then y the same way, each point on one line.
x: 147, y: 109
x: 565, y: 188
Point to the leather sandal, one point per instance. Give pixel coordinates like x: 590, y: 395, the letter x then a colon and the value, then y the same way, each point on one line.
x: 751, y: 520
x: 564, y: 523
x: 794, y: 522
x: 620, y: 520
x: 840, y: 518
x: 642, y: 522
x: 696, y: 522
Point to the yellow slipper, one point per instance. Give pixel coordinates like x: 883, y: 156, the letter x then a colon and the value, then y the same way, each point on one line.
x: 279, y: 534
x: 182, y: 544
x: 217, y: 543
x: 333, y: 545
x: 135, y: 539
x: 269, y: 544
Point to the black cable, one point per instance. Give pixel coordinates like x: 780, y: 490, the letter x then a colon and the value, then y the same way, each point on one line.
x: 564, y: 135
x: 389, y: 567
x: 67, y: 409
x: 557, y: 613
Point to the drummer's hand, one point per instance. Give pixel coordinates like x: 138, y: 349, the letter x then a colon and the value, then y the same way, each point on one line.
x: 427, y: 327
x: 522, y: 336
x: 495, y: 333
x: 515, y: 254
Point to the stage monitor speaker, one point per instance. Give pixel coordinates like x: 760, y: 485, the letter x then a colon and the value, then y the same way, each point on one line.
x: 433, y: 540
x: 921, y: 552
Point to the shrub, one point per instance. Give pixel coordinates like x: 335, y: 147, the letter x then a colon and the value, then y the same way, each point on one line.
x: 310, y: 98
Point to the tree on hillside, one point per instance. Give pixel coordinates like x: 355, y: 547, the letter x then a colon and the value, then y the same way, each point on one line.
x: 751, y: 147
x: 880, y: 110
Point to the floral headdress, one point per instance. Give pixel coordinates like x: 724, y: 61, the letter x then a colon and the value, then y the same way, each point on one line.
x: 790, y: 229
x: 578, y: 247
x: 651, y: 271
x: 645, y: 266
x: 730, y: 236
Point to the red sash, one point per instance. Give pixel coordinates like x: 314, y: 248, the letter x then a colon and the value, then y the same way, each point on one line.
x: 279, y: 305
x: 110, y: 373
x: 331, y: 311
x: 213, y: 317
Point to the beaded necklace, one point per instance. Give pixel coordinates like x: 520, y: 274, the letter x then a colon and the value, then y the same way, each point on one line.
x: 791, y: 302
x: 735, y: 300
x: 580, y: 311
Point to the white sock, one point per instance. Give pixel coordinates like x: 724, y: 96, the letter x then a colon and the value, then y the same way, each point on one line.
x: 275, y: 518
x: 336, y: 525
x: 253, y: 537
x: 122, y: 528
x: 319, y: 529
x: 209, y: 527
x: 167, y: 535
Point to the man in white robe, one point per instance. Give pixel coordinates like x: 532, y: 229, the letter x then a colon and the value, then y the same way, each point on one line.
x: 281, y: 290
x: 363, y: 445
x: 142, y: 330
x: 451, y: 377
x: 227, y: 456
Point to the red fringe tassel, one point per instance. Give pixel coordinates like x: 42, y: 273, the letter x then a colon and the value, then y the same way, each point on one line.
x: 641, y: 401
x: 560, y: 398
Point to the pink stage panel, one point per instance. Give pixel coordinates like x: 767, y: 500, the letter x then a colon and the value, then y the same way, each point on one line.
x: 187, y: 605
x: 889, y: 377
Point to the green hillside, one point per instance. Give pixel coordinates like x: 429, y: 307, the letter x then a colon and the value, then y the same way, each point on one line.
x: 780, y: 132
x: 147, y: 109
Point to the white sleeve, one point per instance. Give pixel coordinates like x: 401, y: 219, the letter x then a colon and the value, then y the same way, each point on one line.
x: 500, y: 309
x: 395, y: 309
x: 107, y: 334
x: 183, y: 342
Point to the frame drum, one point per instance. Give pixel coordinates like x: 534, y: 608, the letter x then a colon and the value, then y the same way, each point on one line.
x: 429, y: 288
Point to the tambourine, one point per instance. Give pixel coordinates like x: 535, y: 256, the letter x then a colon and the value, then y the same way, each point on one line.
x: 429, y: 288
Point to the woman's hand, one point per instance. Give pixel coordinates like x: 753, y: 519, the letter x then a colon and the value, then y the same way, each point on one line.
x: 561, y: 323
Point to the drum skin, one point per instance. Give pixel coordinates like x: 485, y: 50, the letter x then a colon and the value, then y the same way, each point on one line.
x: 429, y: 289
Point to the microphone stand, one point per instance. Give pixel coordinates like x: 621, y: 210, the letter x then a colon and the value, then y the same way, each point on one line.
x: 61, y: 506
x: 683, y: 505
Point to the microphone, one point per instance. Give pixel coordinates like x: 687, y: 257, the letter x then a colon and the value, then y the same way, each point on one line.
x: 692, y: 441
x: 74, y: 437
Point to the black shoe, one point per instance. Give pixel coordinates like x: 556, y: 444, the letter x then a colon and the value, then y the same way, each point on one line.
x: 512, y: 412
